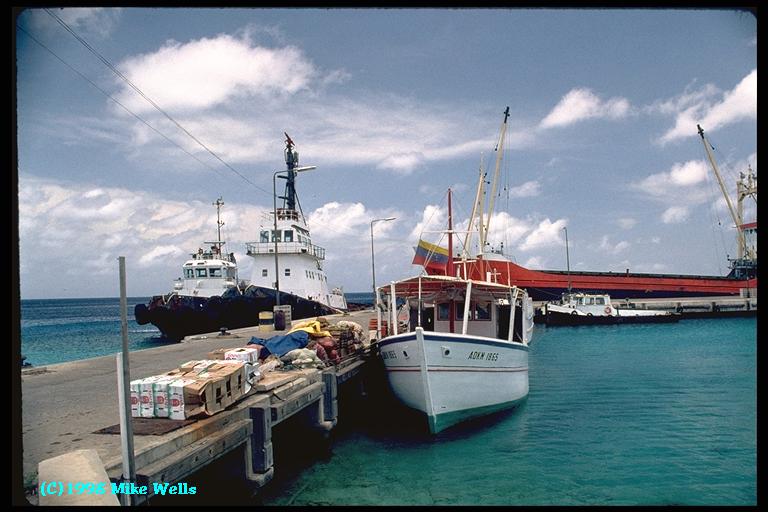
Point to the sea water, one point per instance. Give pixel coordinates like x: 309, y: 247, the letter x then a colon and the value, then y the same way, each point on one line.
x: 644, y: 414
x: 60, y: 330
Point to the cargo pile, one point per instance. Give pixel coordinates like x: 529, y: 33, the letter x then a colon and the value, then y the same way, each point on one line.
x: 330, y: 343
x: 210, y: 385
x: 196, y: 387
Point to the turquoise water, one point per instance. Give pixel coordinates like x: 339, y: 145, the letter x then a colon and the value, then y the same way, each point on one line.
x: 616, y: 415
x: 60, y: 330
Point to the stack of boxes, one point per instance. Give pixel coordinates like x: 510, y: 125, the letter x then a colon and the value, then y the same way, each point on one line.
x: 207, y: 386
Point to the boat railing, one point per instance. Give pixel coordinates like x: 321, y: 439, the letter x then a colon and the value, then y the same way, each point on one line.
x: 255, y: 248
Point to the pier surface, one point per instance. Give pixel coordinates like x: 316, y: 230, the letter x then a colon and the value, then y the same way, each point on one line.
x: 64, y: 404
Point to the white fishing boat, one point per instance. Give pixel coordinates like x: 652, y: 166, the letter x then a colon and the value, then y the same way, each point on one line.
x: 458, y: 347
x: 597, y: 309
x: 463, y: 352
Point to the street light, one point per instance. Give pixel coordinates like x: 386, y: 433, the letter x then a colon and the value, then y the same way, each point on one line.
x: 274, y: 233
x: 567, y: 259
x: 373, y: 265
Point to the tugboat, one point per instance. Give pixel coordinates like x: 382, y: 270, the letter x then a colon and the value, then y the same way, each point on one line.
x: 209, y: 297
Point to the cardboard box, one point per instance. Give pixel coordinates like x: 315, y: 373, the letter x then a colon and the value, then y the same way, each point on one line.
x: 179, y: 407
x: 160, y: 395
x: 147, y: 396
x: 135, y: 399
x: 245, y: 354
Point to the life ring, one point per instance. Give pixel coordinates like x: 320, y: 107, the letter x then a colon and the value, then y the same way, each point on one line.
x: 607, y: 310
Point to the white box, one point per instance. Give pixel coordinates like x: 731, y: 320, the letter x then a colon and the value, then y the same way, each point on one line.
x: 245, y: 354
x: 135, y: 399
x: 160, y: 395
x: 147, y: 397
x: 177, y: 406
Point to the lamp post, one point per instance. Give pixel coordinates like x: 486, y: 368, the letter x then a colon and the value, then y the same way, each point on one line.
x: 373, y: 265
x: 274, y: 233
x: 567, y: 259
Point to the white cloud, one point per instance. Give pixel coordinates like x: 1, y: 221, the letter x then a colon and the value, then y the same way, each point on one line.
x: 710, y: 109
x: 94, y: 226
x: 158, y: 253
x: 675, y: 215
x: 581, y: 104
x: 670, y: 184
x: 204, y: 73
x: 527, y: 189
x: 626, y: 222
x: 545, y: 234
x: 88, y: 22
x: 613, y: 249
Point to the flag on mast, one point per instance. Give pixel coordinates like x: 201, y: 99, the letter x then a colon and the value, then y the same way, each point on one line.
x: 431, y: 256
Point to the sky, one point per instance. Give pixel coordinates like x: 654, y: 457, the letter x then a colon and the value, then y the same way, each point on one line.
x: 393, y: 107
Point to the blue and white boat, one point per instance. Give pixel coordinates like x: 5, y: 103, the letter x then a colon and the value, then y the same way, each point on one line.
x: 457, y: 348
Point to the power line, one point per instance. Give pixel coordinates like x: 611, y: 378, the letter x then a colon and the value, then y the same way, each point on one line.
x: 147, y: 98
x: 113, y: 99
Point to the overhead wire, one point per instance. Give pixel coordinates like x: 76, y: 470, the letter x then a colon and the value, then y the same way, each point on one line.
x: 147, y: 98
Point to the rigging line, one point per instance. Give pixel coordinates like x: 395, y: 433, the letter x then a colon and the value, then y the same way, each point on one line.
x: 141, y: 93
x: 114, y: 100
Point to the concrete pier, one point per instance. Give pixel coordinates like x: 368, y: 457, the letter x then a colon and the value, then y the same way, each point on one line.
x: 63, y: 405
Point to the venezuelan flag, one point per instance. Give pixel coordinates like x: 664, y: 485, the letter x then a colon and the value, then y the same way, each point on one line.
x: 431, y: 256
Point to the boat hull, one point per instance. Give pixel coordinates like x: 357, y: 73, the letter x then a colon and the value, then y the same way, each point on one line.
x: 452, y: 378
x: 179, y: 316
x: 544, y: 285
x: 558, y: 319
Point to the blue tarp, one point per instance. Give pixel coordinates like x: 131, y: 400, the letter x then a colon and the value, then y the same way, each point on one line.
x: 281, y: 344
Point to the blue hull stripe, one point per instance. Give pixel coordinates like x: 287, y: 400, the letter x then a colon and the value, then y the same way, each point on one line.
x: 431, y: 338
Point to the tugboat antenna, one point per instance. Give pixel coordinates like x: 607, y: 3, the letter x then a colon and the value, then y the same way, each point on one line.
x: 218, y: 204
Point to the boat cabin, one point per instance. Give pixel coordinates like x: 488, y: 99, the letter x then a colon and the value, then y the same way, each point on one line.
x: 451, y: 305
x: 209, y: 272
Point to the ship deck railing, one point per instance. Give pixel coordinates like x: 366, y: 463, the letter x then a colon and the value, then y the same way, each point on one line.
x: 255, y: 248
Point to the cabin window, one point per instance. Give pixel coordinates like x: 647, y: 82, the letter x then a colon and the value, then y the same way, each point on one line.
x: 202, y: 272
x: 264, y: 238
x: 264, y: 272
x: 459, y: 308
x: 442, y: 311
x: 288, y: 236
x: 214, y: 272
x: 287, y: 272
x: 278, y: 235
x: 600, y: 301
x: 482, y: 311
x: 589, y: 301
x: 189, y: 273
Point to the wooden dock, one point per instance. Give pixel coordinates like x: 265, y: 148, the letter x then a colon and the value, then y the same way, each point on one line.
x: 64, y: 406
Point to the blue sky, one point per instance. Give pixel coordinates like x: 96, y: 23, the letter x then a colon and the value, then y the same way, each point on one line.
x: 393, y: 106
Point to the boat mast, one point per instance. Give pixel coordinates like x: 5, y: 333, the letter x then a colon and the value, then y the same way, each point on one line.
x: 746, y: 187
x: 567, y: 259
x: 736, y: 217
x: 499, y: 155
x: 449, y: 267
x: 291, y: 161
x: 218, y: 204
x: 477, y: 206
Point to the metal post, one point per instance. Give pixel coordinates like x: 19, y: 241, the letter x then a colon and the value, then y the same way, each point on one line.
x: 567, y: 259
x: 373, y: 264
x: 124, y: 392
x: 274, y: 236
